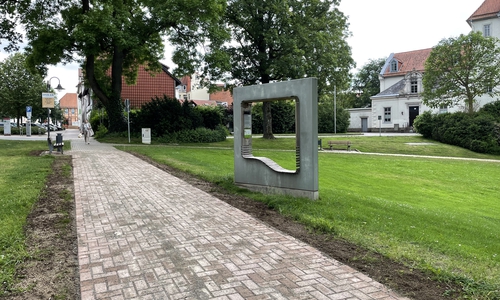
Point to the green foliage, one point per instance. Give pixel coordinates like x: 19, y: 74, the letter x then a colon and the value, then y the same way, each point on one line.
x: 20, y: 88
x: 478, y: 132
x: 198, y: 135
x: 326, y: 118
x: 18, y: 192
x: 167, y: 115
x: 378, y: 203
x: 366, y: 82
x: 283, y: 113
x: 460, y: 69
x: 119, y: 36
x: 212, y: 116
x: 492, y: 109
x: 101, y: 131
x: 280, y: 40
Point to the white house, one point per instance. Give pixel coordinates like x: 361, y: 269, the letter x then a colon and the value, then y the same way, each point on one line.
x: 399, y: 101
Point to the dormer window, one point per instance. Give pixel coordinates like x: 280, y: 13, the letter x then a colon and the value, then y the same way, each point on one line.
x: 414, y: 86
x: 394, y: 65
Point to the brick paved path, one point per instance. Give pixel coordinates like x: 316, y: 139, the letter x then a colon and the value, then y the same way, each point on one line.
x: 145, y: 234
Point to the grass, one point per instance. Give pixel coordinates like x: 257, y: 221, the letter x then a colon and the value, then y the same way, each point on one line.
x: 21, y: 181
x: 438, y: 215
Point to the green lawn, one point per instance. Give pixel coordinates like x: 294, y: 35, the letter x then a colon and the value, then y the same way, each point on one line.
x: 22, y: 178
x: 438, y: 215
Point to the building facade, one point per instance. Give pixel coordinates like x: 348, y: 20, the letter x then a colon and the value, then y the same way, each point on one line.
x: 399, y: 101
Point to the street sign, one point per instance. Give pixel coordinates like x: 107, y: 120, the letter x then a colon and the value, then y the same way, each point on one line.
x: 28, y: 112
x: 47, y: 100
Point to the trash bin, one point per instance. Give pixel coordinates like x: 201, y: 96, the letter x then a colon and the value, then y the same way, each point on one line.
x: 59, y: 142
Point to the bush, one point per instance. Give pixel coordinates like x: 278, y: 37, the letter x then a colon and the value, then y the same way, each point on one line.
x: 477, y: 132
x: 423, y: 124
x: 212, y: 116
x: 198, y: 135
x: 492, y: 109
x: 101, y: 131
x: 167, y: 115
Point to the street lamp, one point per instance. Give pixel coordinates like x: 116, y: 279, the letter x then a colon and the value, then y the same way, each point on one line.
x: 58, y: 88
x: 335, y: 109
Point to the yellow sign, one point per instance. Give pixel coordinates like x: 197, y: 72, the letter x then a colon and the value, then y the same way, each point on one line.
x: 47, y: 100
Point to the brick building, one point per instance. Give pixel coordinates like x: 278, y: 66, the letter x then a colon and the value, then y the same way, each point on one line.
x: 69, y: 106
x: 148, y: 86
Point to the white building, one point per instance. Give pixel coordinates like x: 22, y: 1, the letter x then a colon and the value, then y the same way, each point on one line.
x: 399, y: 101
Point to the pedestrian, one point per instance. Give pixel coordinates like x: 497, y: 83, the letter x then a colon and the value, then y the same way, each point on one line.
x: 87, y: 131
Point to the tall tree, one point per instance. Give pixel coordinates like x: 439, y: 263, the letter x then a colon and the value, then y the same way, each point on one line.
x: 460, y: 69
x: 112, y: 38
x: 8, y: 22
x: 278, y: 40
x: 366, y: 82
x: 19, y: 88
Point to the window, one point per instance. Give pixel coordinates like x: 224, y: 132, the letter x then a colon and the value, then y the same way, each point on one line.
x: 72, y: 111
x: 443, y: 109
x: 387, y: 114
x: 394, y: 65
x: 414, y: 86
x: 486, y: 30
x: 488, y: 89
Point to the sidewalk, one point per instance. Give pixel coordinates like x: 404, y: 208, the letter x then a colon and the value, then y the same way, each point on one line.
x: 145, y: 234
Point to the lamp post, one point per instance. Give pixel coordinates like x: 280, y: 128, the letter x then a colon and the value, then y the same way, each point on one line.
x: 58, y: 88
x: 335, y: 109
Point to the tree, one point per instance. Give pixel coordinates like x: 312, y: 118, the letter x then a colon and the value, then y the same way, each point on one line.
x: 20, y: 88
x: 278, y: 40
x: 8, y: 22
x: 113, y: 38
x: 460, y: 69
x: 366, y: 82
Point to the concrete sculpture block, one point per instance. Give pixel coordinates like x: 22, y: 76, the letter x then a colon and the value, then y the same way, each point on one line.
x: 261, y: 173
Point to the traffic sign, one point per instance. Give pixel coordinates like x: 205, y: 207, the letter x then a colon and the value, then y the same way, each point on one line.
x: 28, y: 112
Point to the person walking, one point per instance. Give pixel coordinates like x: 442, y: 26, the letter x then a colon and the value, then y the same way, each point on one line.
x: 87, y: 132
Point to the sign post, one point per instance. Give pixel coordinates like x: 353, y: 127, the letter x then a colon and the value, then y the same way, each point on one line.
x: 48, y: 103
x: 28, y: 123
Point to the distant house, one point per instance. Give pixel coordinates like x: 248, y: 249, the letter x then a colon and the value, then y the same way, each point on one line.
x: 69, y: 106
x: 399, y: 101
x: 192, y: 90
x: 146, y: 87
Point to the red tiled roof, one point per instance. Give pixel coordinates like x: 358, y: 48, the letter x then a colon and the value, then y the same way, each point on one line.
x: 489, y: 9
x: 69, y: 100
x: 408, y: 61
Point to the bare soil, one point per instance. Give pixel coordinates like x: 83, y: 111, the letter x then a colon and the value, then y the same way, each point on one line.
x: 52, y: 272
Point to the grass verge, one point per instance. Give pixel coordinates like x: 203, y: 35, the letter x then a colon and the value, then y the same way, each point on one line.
x: 21, y: 181
x: 437, y: 215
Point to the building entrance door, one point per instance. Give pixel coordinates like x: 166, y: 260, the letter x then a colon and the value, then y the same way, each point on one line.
x: 413, y: 114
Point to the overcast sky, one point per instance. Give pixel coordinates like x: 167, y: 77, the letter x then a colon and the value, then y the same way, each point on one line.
x: 378, y: 29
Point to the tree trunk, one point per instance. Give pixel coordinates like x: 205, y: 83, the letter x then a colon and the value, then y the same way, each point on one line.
x: 267, y: 117
x: 112, y: 104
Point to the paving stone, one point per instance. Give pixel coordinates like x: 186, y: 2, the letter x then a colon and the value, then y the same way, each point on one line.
x: 145, y: 234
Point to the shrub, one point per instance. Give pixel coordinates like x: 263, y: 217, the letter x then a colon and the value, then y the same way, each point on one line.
x: 477, y: 132
x: 198, y: 135
x: 101, y: 131
x: 423, y: 124
x: 492, y: 109
x: 212, y: 116
x: 167, y: 115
